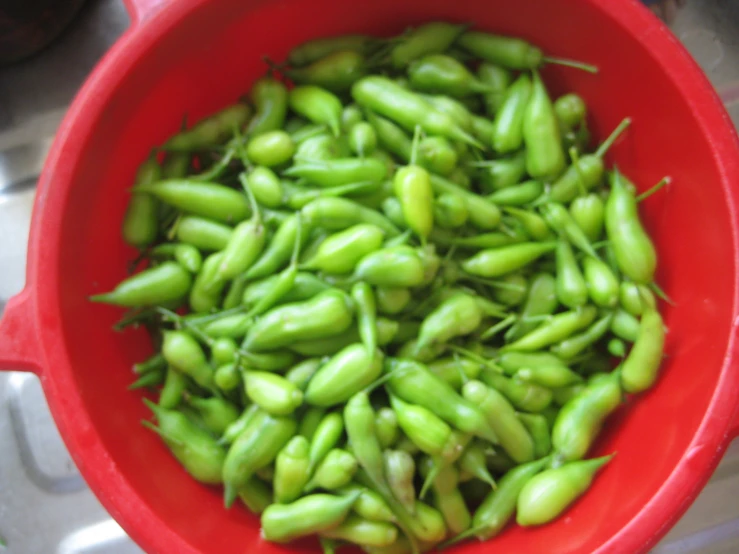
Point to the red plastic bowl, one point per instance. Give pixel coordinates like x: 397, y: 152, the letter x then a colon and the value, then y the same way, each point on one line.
x: 195, y: 56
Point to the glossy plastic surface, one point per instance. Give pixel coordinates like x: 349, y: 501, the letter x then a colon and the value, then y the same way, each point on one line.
x: 195, y: 56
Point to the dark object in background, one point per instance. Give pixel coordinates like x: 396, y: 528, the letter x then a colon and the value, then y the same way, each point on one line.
x: 26, y: 26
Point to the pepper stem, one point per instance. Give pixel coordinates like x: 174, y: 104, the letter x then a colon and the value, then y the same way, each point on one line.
x: 589, y: 68
x: 660, y: 293
x: 255, y: 213
x: 149, y: 425
x: 181, y: 322
x: 498, y: 327
x: 606, y: 145
x: 580, y: 177
x: 649, y: 192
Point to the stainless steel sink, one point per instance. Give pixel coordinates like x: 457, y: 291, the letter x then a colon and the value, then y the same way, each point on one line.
x: 45, y: 505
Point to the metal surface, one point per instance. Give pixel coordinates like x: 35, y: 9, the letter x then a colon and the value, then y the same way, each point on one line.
x: 45, y: 506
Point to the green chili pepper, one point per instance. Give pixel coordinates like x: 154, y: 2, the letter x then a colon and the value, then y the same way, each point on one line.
x: 386, y: 98
x: 559, y: 219
x: 386, y: 426
x: 203, y: 234
x: 392, y: 300
x: 335, y: 470
x: 549, y: 493
x: 473, y: 461
x: 497, y: 79
x: 509, y: 52
x: 217, y: 413
x: 325, y: 437
x: 625, y: 326
x: 186, y: 255
x: 528, y: 397
x: 636, y: 299
x: 256, y: 496
x: 348, y: 372
x: 503, y: 172
x: 386, y: 331
x: 508, y: 126
x: 412, y: 186
x: 448, y: 499
x: 256, y: 447
x: 306, y: 516
x: 317, y: 105
x: 326, y: 314
x: 193, y: 447
x: 340, y: 213
x: 313, y: 50
x: 336, y: 71
x: 545, y: 156
x: 210, y: 131
x: 364, y: 299
x: 183, y: 352
x: 558, y: 328
x: 209, y: 200
x: 341, y: 252
x: 443, y: 74
x: 533, y: 224
x: 431, y: 38
x: 359, y: 418
x: 265, y: 185
x: 603, y: 286
x: 227, y: 377
x: 512, y: 435
x: 205, y: 294
x: 483, y: 214
x: 641, y: 366
x: 273, y: 393
x: 151, y: 379
x: 437, y: 155
x: 245, y: 245
x: 413, y: 382
x: 494, y: 262
x: 310, y: 421
x: 291, y: 470
x: 572, y: 290
x: 589, y: 214
x: 363, y: 139
x: 455, y: 371
x: 340, y: 171
x: 390, y: 136
x: 499, y: 505
x: 269, y: 97
x: 541, y: 300
x: 363, y: 532
x: 350, y: 116
x: 459, y: 315
x: 399, y: 266
x: 164, y: 283
x: 270, y: 148
x: 370, y: 504
x: 581, y: 418
x: 517, y: 195
x: 400, y: 470
x: 571, y: 110
x: 450, y: 211
x: 140, y: 222
x: 633, y: 249
x: 152, y: 363
x: 585, y: 172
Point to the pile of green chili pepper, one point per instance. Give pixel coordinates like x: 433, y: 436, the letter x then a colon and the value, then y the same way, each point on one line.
x: 394, y: 295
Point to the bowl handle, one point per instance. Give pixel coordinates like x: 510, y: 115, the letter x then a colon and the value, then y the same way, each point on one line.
x: 141, y: 10
x: 20, y: 348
